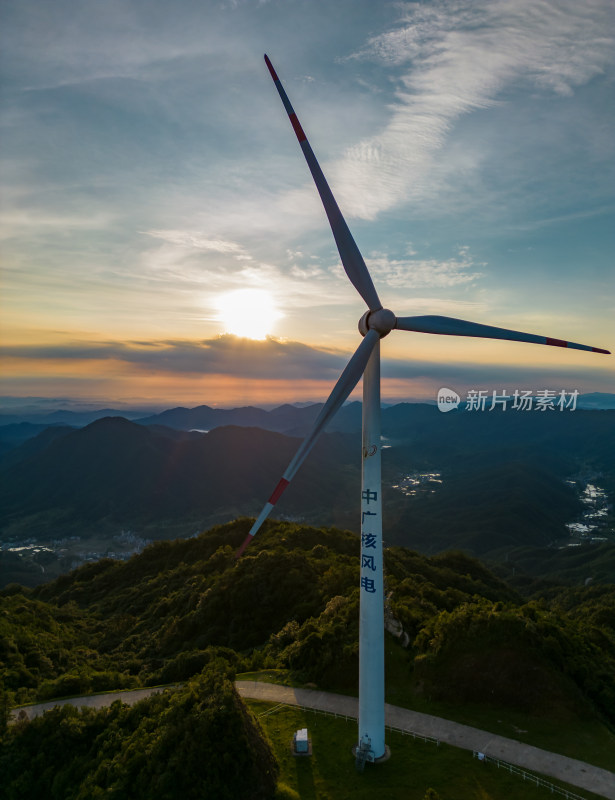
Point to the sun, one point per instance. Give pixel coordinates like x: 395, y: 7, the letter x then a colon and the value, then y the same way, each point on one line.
x: 250, y: 313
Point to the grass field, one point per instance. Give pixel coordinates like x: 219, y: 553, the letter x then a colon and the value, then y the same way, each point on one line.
x: 588, y: 739
x: 414, y: 766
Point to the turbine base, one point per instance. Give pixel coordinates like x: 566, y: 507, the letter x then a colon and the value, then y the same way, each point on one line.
x: 362, y: 758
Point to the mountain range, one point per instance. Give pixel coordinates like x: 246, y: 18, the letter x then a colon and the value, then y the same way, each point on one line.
x: 282, y: 418
x: 497, y: 478
x: 116, y: 471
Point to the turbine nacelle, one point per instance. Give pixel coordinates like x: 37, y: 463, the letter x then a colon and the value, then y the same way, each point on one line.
x: 382, y: 321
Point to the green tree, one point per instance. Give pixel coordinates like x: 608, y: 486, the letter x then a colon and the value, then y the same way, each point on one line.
x: 198, y: 741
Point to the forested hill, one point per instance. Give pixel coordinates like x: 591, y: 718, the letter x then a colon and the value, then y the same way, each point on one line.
x: 292, y: 601
x: 188, y: 611
x: 197, y: 741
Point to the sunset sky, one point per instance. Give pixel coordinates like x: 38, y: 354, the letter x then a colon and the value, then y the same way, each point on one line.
x: 152, y: 182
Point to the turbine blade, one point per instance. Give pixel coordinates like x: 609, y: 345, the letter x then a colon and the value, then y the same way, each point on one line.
x: 346, y: 383
x: 352, y: 259
x: 449, y: 326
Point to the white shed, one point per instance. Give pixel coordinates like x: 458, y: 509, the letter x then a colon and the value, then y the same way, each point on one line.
x: 301, y: 741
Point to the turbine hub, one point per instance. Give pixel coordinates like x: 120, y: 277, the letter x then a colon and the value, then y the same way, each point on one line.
x: 383, y: 321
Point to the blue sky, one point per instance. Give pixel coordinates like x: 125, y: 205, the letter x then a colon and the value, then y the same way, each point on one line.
x: 149, y: 170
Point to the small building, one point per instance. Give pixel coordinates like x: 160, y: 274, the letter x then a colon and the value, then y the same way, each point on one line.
x: 302, y: 745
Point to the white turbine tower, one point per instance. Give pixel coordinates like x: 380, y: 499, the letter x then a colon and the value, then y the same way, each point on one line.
x: 374, y: 325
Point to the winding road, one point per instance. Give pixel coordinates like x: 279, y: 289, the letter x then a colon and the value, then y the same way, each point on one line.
x: 576, y: 773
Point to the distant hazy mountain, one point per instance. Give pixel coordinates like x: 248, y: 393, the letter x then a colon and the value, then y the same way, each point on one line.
x: 502, y: 476
x: 287, y: 418
x: 117, y: 470
x: 284, y: 419
x: 22, y: 440
x: 66, y: 417
x: 601, y: 400
x: 16, y: 433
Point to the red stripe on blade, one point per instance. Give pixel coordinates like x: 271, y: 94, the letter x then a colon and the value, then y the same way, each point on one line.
x: 297, y: 127
x: 557, y: 342
x: 600, y: 350
x: 244, y: 544
x: 277, y: 492
x: 271, y: 69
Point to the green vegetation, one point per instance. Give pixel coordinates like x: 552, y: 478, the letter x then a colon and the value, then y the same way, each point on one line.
x: 194, y: 742
x: 586, y: 738
x: 415, y: 766
x: 539, y: 668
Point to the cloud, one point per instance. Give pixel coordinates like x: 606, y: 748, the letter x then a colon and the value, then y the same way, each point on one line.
x: 274, y: 360
x: 419, y: 273
x: 460, y: 57
x: 151, y: 168
x: 492, y: 375
x: 195, y: 240
x: 223, y: 355
x: 89, y: 41
x: 209, y: 261
x: 38, y: 222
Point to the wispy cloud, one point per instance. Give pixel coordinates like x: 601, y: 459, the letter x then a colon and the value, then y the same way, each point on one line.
x: 36, y: 222
x: 195, y: 240
x: 95, y: 42
x: 213, y: 262
x: 461, y: 57
x: 414, y: 273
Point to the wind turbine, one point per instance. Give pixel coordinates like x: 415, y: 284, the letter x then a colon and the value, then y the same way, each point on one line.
x: 375, y: 324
